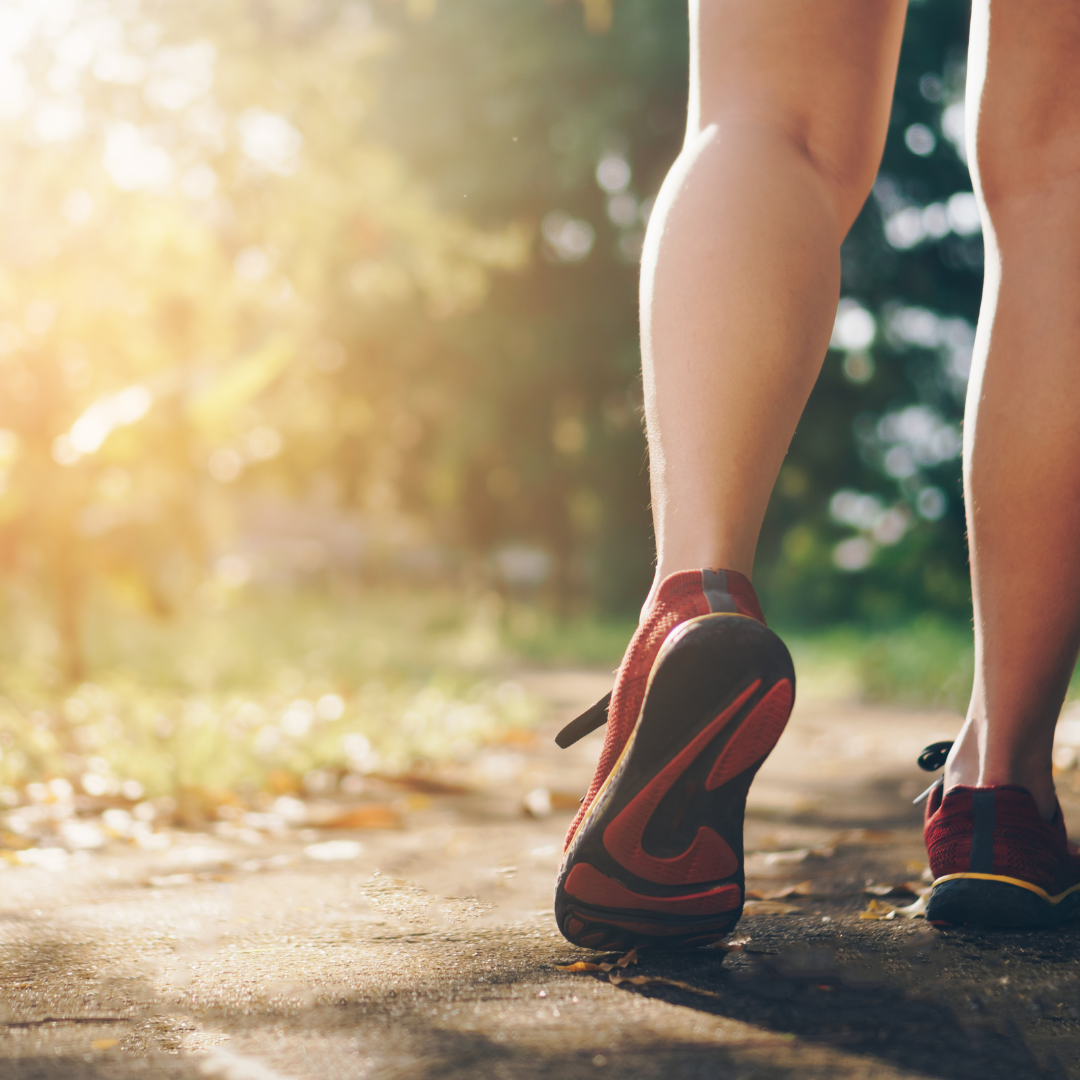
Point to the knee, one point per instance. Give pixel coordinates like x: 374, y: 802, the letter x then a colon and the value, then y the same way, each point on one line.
x: 848, y: 165
x: 1019, y: 167
x: 841, y: 164
x: 1025, y: 142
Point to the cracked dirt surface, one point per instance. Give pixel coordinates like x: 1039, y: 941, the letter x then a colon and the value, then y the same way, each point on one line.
x: 431, y: 950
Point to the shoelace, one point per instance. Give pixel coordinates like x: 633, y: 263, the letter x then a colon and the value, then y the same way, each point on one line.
x: 593, y: 717
x: 930, y: 760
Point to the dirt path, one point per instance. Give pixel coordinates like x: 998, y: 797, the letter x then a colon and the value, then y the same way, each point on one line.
x: 430, y: 951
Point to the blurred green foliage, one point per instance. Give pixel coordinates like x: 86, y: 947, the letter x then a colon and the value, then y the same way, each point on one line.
x: 325, y: 292
x: 927, y: 662
x: 247, y: 692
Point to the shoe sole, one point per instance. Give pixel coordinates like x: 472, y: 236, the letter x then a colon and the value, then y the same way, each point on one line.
x: 992, y: 902
x: 658, y: 858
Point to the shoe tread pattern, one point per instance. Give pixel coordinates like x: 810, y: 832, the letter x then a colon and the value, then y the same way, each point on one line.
x: 724, y: 688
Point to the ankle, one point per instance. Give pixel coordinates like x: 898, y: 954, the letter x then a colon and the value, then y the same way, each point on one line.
x: 962, y: 765
x: 1038, y: 782
x: 968, y: 768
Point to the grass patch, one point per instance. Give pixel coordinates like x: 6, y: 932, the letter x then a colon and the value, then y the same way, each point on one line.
x: 927, y: 663
x: 253, y: 692
x: 250, y: 692
x: 539, y: 637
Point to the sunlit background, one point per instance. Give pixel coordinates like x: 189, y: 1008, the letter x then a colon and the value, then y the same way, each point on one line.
x: 320, y: 393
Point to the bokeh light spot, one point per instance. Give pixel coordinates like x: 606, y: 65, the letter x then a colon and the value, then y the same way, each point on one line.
x: 854, y: 554
x: 613, y: 173
x: 568, y: 239
x: 920, y: 140
x: 854, y: 327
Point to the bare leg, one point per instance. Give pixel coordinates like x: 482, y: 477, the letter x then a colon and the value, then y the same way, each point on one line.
x: 741, y: 270
x: 1022, y: 435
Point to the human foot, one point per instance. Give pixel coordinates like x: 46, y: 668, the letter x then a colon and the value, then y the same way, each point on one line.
x: 996, y: 861
x: 704, y: 691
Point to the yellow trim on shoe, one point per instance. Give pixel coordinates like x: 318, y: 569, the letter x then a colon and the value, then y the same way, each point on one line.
x: 1011, y: 881
x: 664, y: 649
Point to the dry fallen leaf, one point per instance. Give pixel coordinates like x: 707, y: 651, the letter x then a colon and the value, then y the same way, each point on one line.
x: 882, y: 909
x: 14, y: 841
x: 536, y: 803
x: 656, y: 980
x: 284, y: 782
x: 422, y: 785
x: 197, y: 805
x: 542, y: 801
x: 913, y: 911
x: 896, y: 892
x: 769, y: 907
x: 879, y: 890
x: 903, y: 889
x: 804, y: 888
x: 584, y: 965
x: 878, y: 909
x: 774, y: 858
x: 376, y: 816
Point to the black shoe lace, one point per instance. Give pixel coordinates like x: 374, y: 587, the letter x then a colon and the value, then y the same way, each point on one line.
x: 593, y: 717
x: 931, y: 759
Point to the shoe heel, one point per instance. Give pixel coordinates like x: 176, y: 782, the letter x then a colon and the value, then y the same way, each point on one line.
x: 657, y: 859
x: 995, y: 905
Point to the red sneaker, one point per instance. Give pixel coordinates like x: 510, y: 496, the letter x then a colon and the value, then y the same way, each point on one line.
x: 654, y: 856
x: 997, y: 862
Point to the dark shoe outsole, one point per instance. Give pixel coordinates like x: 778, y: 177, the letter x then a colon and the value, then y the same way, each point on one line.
x: 658, y: 859
x: 998, y: 905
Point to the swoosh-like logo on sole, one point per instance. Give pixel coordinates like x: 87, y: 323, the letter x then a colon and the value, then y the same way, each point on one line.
x: 709, y: 855
x: 756, y: 736
x: 590, y: 886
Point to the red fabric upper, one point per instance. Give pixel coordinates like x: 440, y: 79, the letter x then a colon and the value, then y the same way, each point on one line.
x: 742, y: 592
x: 1026, y: 846
x: 681, y: 596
